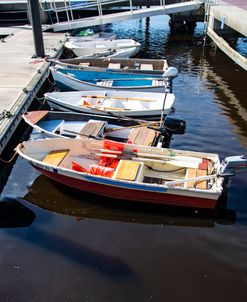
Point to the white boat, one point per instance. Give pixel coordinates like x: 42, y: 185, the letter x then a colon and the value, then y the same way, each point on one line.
x: 90, y: 48
x: 133, y: 172
x: 74, y: 79
x: 123, y: 103
x: 98, y: 36
x: 78, y: 125
x: 125, y: 65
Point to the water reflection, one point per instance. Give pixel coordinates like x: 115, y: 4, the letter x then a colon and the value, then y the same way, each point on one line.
x: 62, y: 200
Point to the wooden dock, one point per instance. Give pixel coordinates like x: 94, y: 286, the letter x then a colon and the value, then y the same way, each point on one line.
x: 22, y: 76
x: 231, y: 14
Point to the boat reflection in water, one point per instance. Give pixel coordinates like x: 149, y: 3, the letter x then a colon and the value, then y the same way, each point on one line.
x: 14, y: 214
x: 63, y: 200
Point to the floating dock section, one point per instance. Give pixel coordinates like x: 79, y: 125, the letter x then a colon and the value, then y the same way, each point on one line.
x: 228, y: 15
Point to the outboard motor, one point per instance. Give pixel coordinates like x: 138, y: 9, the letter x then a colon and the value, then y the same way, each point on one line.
x: 174, y: 125
x: 169, y: 74
x: 170, y: 126
x: 234, y: 164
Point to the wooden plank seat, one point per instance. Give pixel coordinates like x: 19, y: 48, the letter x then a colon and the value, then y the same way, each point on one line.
x: 84, y: 64
x: 55, y: 157
x: 93, y: 128
x: 114, y: 65
x: 192, y: 172
x: 127, y: 170
x: 146, y: 67
x: 142, y: 136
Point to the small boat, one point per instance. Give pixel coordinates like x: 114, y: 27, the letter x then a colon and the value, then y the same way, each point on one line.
x: 92, y: 37
x: 74, y: 79
x: 130, y: 65
x: 90, y: 48
x: 77, y: 125
x: 118, y: 103
x: 133, y: 172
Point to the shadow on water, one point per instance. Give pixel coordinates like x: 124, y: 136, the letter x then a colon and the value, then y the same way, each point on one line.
x: 63, y: 200
x: 110, y: 266
x: 13, y: 214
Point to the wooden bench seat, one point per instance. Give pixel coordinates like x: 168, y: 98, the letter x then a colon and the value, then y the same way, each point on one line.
x: 114, y: 65
x: 146, y: 67
x: 142, y: 136
x: 84, y: 64
x: 192, y: 172
x: 127, y: 170
x: 93, y: 128
x: 55, y: 157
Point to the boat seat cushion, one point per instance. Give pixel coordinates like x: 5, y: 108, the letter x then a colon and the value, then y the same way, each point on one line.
x: 142, y: 136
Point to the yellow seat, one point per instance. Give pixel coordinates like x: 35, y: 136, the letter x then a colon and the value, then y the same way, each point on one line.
x: 127, y: 170
x: 55, y: 157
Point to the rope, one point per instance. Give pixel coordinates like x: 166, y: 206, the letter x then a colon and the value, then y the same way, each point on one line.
x: 52, y: 83
x: 5, y: 114
x: 40, y: 100
x: 10, y: 160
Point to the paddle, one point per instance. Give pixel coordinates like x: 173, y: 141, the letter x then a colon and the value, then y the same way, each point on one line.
x: 117, y: 98
x: 123, y: 117
x: 185, y: 161
x: 81, y: 134
x: 173, y: 162
x: 136, y: 126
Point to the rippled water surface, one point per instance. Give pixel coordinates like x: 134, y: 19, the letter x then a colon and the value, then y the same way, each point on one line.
x: 83, y: 248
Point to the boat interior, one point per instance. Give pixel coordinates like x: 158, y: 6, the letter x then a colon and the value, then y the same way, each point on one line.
x: 142, y: 64
x: 110, y: 159
x: 100, y: 129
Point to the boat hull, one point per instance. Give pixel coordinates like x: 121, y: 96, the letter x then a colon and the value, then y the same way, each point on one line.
x: 106, y: 188
x: 125, y: 65
x: 132, y: 104
x: 61, y: 106
x: 69, y: 80
x: 66, y: 83
x: 101, y: 47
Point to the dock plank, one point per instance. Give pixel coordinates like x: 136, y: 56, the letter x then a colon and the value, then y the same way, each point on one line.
x: 21, y: 73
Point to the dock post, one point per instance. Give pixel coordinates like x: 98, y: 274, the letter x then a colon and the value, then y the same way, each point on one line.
x: 35, y: 19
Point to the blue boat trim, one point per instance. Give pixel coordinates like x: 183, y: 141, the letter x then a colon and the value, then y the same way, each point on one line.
x: 92, y: 76
x: 109, y: 181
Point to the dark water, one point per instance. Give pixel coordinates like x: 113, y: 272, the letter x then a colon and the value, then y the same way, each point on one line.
x: 76, y: 249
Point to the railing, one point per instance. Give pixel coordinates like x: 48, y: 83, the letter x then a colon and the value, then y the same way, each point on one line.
x: 68, y: 6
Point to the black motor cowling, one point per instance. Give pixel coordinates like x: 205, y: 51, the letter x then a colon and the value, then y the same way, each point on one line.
x: 174, y: 125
